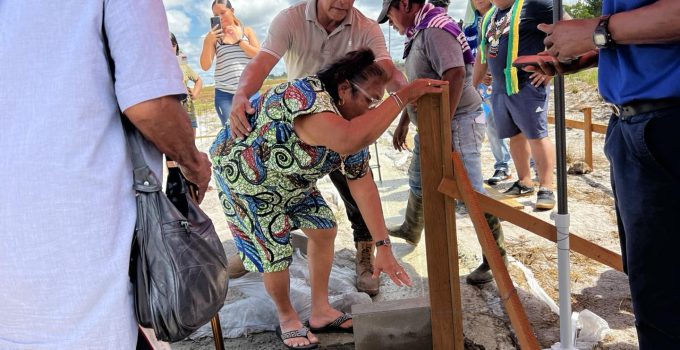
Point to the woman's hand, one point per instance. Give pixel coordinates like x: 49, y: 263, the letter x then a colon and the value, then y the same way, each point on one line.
x: 215, y: 34
x: 385, y: 262
x: 420, y: 87
x: 230, y: 34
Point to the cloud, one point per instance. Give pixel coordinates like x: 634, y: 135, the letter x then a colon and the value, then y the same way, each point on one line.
x: 179, y: 22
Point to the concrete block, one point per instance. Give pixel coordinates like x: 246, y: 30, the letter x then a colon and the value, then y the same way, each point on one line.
x: 299, y: 241
x: 395, y: 324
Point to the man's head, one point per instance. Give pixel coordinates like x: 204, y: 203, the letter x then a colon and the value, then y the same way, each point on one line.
x: 502, y: 4
x: 481, y: 5
x: 335, y: 10
x: 440, y: 3
x: 400, y: 13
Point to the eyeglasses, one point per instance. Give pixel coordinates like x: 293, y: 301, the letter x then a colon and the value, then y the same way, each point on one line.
x: 372, y: 102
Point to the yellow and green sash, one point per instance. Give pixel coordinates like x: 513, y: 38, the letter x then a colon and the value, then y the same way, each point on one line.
x: 511, y: 80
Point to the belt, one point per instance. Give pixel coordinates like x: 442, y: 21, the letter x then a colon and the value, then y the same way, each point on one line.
x: 643, y: 106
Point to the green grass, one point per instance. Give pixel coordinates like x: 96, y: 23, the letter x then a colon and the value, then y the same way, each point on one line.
x: 588, y: 76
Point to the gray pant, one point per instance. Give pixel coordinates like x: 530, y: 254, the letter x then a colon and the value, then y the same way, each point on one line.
x: 467, y: 136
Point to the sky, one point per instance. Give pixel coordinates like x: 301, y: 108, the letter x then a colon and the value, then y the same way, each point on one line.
x: 189, y: 20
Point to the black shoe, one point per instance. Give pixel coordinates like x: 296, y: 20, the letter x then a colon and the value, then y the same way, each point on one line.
x: 498, y: 176
x: 517, y: 189
x: 545, y: 199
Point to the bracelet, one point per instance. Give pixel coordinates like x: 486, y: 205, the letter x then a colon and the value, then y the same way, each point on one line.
x: 400, y: 103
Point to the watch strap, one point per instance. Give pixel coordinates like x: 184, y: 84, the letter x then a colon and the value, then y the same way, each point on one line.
x: 385, y: 242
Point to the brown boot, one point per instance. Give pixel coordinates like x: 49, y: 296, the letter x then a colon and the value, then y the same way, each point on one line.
x: 482, y: 274
x: 364, y: 267
x: 235, y: 267
x: 412, y: 227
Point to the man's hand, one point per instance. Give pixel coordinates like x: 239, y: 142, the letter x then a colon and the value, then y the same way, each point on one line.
x: 487, y: 80
x: 568, y: 40
x: 198, y: 173
x: 550, y: 67
x: 538, y: 79
x: 399, y: 137
x: 238, y: 121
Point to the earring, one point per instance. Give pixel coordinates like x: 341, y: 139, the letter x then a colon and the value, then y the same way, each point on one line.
x: 341, y: 102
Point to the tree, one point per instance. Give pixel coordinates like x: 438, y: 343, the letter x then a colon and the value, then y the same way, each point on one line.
x: 585, y: 9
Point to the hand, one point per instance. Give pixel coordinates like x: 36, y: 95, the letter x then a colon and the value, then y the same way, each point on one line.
x: 199, y: 174
x: 487, y: 80
x: 538, y: 79
x: 385, y: 262
x: 399, y: 137
x: 214, y: 35
x: 420, y: 87
x: 238, y: 122
x: 568, y: 40
x: 551, y: 67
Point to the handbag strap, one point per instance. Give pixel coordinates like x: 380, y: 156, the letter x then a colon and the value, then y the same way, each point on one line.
x: 144, y: 179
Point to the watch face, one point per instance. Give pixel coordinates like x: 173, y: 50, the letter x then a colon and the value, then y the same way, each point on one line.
x: 599, y: 39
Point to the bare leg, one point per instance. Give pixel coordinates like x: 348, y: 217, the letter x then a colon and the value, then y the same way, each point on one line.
x: 278, y: 287
x: 320, y: 250
x: 520, y: 151
x: 543, y: 152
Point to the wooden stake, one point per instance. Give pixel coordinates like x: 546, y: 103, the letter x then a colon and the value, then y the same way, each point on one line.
x: 588, y: 135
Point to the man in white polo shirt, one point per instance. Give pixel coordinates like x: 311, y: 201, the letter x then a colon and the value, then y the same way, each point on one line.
x: 309, y: 35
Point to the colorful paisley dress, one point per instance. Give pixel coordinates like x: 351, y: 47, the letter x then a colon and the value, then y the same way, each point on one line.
x: 267, y: 182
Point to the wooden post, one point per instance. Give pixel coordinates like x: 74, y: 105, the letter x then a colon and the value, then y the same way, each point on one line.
x: 434, y: 125
x: 588, y: 135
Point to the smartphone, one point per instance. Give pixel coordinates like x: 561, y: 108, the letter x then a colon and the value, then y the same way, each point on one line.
x: 532, y: 60
x: 215, y: 21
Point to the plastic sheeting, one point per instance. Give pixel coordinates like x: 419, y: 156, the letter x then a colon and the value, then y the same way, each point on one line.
x: 248, y: 308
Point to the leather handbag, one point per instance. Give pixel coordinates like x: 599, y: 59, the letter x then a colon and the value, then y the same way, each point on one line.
x: 177, y: 266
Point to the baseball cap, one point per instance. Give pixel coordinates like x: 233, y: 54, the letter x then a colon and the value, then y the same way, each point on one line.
x: 382, y: 18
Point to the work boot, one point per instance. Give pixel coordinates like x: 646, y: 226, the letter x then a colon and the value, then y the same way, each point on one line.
x: 412, y: 227
x: 364, y: 267
x: 235, y: 267
x: 482, y: 274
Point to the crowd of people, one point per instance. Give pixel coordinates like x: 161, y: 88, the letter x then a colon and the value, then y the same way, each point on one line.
x: 64, y: 260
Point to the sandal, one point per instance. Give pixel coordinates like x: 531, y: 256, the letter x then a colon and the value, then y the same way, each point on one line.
x: 298, y: 333
x: 334, y: 327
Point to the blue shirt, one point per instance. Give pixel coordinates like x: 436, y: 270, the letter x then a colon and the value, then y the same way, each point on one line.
x: 638, y: 72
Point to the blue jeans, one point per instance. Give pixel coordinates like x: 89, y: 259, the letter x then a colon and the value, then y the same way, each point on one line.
x: 467, y: 136
x: 499, y: 147
x: 223, y: 101
x: 642, y: 151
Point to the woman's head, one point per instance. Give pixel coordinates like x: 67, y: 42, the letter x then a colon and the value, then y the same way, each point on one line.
x: 355, y: 82
x: 225, y: 11
x: 175, y: 46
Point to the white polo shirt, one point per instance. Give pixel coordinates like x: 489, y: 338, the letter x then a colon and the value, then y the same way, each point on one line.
x: 296, y: 35
x: 68, y: 210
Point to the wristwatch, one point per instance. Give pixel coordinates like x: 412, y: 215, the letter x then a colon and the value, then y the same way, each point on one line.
x: 601, y: 36
x: 386, y: 242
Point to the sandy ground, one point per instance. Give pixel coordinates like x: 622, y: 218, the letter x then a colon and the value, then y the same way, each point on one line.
x: 594, y: 286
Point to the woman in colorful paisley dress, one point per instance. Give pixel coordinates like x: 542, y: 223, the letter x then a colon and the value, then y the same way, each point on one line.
x: 303, y: 130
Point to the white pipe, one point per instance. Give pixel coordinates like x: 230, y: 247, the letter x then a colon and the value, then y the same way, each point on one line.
x: 567, y: 334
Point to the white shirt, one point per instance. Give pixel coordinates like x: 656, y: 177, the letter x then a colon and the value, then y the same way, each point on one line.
x: 67, y: 211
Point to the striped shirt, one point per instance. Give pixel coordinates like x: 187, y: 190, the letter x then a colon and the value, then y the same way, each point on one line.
x: 231, y: 61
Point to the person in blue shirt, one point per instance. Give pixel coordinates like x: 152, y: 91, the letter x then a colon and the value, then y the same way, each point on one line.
x: 639, y: 75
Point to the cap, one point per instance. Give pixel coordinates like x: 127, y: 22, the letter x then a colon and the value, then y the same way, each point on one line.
x: 382, y: 18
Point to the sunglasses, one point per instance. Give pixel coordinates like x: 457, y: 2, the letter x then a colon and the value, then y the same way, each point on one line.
x: 373, y: 102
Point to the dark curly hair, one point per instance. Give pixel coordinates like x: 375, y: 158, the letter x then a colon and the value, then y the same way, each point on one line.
x: 356, y: 66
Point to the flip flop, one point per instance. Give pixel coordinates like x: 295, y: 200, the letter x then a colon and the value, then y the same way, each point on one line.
x: 334, y: 327
x: 298, y: 333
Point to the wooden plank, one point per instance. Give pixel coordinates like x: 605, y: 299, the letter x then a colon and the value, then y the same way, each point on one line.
x: 575, y: 124
x: 538, y: 226
x: 506, y: 289
x: 497, y: 195
x: 588, y: 136
x: 442, y: 259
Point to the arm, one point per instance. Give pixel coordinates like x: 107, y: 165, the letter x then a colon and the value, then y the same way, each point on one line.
x: 164, y: 122
x: 397, y: 79
x: 208, y: 53
x: 252, y: 46
x: 365, y: 193
x: 349, y: 136
x: 400, y: 133
x: 198, y: 85
x: 456, y: 78
x: 569, y: 39
x: 479, y: 71
x: 251, y: 80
